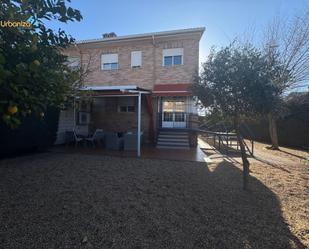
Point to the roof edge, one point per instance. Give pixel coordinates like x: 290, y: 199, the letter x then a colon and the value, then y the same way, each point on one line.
x: 145, y: 35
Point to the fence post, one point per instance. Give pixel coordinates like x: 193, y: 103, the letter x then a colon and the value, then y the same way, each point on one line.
x: 227, y: 144
x: 252, y: 146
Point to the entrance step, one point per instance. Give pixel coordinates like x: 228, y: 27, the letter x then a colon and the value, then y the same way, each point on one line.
x: 173, y: 140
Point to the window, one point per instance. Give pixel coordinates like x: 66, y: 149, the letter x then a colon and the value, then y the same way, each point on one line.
x: 126, y: 104
x: 83, y: 118
x: 73, y: 62
x: 177, y: 60
x: 172, y: 57
x: 168, y: 61
x: 109, y: 62
x: 136, y: 59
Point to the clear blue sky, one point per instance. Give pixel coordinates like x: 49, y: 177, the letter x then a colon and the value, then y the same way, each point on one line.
x: 223, y: 19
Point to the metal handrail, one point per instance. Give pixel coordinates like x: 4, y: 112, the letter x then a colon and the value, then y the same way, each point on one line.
x: 221, y: 139
x: 175, y: 123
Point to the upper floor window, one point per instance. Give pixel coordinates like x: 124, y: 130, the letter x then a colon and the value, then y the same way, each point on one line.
x: 136, y: 59
x: 73, y: 62
x: 172, y: 57
x: 109, y: 62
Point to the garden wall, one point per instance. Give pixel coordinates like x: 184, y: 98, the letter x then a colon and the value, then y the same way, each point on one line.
x: 292, y: 131
x: 33, y: 134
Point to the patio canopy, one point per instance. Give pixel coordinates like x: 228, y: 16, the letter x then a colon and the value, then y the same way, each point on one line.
x: 115, y: 91
x: 172, y: 90
x: 122, y: 91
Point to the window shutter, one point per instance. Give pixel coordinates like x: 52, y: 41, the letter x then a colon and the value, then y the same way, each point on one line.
x: 109, y: 58
x: 173, y: 52
x: 136, y: 58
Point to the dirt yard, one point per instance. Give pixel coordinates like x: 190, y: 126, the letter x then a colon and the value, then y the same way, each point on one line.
x: 56, y: 200
x: 286, y: 173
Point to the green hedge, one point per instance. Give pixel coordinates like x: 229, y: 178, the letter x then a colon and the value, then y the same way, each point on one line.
x: 33, y: 134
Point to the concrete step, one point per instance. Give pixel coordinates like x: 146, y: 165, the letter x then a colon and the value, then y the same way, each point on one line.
x: 173, y: 147
x: 162, y: 139
x: 173, y: 140
x: 173, y: 137
x: 173, y: 143
x: 173, y: 133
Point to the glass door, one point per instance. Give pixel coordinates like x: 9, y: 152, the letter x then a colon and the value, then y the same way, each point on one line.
x: 173, y: 113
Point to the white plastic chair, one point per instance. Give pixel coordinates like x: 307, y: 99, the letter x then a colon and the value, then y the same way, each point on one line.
x: 77, y: 139
x: 98, y: 135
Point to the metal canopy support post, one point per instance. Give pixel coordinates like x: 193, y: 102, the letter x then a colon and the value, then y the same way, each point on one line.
x: 139, y: 125
x: 74, y: 114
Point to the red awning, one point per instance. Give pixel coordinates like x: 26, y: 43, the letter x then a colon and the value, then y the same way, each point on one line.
x: 172, y: 90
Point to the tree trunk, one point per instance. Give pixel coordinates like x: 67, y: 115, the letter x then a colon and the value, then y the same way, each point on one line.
x: 244, y: 158
x: 272, y: 125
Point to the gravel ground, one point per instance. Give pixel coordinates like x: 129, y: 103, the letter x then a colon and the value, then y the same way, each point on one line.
x: 84, y: 201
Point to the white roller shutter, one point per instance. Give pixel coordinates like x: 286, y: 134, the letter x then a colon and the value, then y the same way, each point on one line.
x: 109, y: 58
x: 136, y: 58
x: 172, y: 52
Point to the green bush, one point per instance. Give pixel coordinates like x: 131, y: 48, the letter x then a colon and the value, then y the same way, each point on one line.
x: 33, y: 134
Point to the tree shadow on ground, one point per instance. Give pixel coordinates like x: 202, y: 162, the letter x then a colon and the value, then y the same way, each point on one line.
x: 232, y: 153
x: 294, y: 155
x: 272, y: 164
x: 78, y: 201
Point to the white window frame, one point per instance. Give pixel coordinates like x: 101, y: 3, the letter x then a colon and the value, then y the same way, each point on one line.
x: 172, y: 52
x: 136, y: 59
x: 73, y: 62
x: 109, y: 59
x: 126, y: 102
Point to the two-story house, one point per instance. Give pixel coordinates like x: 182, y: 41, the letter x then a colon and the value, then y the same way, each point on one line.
x: 159, y: 67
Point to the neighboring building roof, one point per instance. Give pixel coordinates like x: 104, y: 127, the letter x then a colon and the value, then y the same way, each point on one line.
x: 172, y: 90
x: 145, y: 35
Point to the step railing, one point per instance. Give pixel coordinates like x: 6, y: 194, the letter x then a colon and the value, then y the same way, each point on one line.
x: 177, y: 120
x: 227, y: 141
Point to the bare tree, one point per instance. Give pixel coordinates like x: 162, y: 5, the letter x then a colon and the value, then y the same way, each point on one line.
x: 86, y: 64
x: 287, y: 43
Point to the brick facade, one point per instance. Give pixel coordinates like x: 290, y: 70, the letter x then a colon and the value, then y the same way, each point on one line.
x: 152, y: 70
x: 105, y: 114
x: 151, y: 73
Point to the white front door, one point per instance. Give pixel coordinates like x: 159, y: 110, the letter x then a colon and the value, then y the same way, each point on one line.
x: 174, y: 113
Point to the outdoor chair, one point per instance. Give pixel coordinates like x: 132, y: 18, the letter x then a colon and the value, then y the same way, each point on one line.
x: 71, y: 137
x: 130, y: 140
x: 77, y: 139
x: 98, y: 136
x: 113, y: 141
